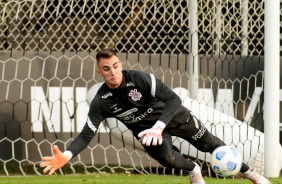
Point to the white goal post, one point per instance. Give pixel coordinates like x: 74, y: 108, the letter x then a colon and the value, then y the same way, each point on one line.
x: 272, y: 87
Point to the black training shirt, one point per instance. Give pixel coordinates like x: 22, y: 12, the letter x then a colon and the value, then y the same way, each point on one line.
x: 139, y: 102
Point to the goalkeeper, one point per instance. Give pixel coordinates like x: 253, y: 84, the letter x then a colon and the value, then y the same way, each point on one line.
x: 152, y: 111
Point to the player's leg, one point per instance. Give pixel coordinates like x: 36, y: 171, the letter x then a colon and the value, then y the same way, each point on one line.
x: 255, y: 177
x: 197, y: 134
x: 168, y: 157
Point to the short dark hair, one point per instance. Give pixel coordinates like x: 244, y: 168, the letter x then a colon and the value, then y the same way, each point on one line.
x: 105, y: 53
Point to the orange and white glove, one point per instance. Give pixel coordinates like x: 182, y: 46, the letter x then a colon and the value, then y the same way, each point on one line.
x: 54, y: 162
x: 152, y: 135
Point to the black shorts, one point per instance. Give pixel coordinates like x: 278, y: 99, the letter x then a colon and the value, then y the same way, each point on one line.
x: 197, y: 134
x: 192, y: 131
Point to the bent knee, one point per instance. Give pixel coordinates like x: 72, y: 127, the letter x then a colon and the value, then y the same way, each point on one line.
x: 211, y: 145
x: 167, y: 161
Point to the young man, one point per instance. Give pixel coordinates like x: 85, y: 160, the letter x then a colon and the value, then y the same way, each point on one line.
x: 152, y: 111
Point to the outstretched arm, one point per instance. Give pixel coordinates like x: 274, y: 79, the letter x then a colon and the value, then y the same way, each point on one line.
x: 59, y: 159
x: 89, y: 130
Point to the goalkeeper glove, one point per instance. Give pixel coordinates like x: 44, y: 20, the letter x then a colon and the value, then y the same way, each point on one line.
x: 55, y: 162
x: 152, y: 135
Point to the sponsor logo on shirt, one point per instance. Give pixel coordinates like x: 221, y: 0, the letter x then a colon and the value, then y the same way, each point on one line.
x: 126, y: 113
x: 132, y: 118
x: 135, y: 95
x: 107, y: 95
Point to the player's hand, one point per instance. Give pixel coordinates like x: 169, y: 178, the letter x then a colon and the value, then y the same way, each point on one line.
x: 152, y: 135
x: 55, y: 162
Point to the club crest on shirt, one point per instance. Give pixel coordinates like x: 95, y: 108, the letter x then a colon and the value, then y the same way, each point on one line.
x: 135, y: 95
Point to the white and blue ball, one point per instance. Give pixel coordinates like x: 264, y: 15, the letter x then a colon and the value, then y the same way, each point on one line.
x: 226, y: 161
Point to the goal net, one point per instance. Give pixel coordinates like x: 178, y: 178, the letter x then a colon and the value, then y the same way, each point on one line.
x: 48, y: 76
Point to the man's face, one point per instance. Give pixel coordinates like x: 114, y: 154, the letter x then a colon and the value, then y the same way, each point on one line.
x: 111, y: 70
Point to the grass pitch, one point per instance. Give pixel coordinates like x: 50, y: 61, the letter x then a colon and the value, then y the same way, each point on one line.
x: 117, y: 179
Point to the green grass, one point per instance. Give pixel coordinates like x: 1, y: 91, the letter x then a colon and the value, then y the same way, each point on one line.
x: 116, y: 179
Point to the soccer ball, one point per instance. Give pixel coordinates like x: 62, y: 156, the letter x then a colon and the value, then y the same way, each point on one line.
x: 226, y: 161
